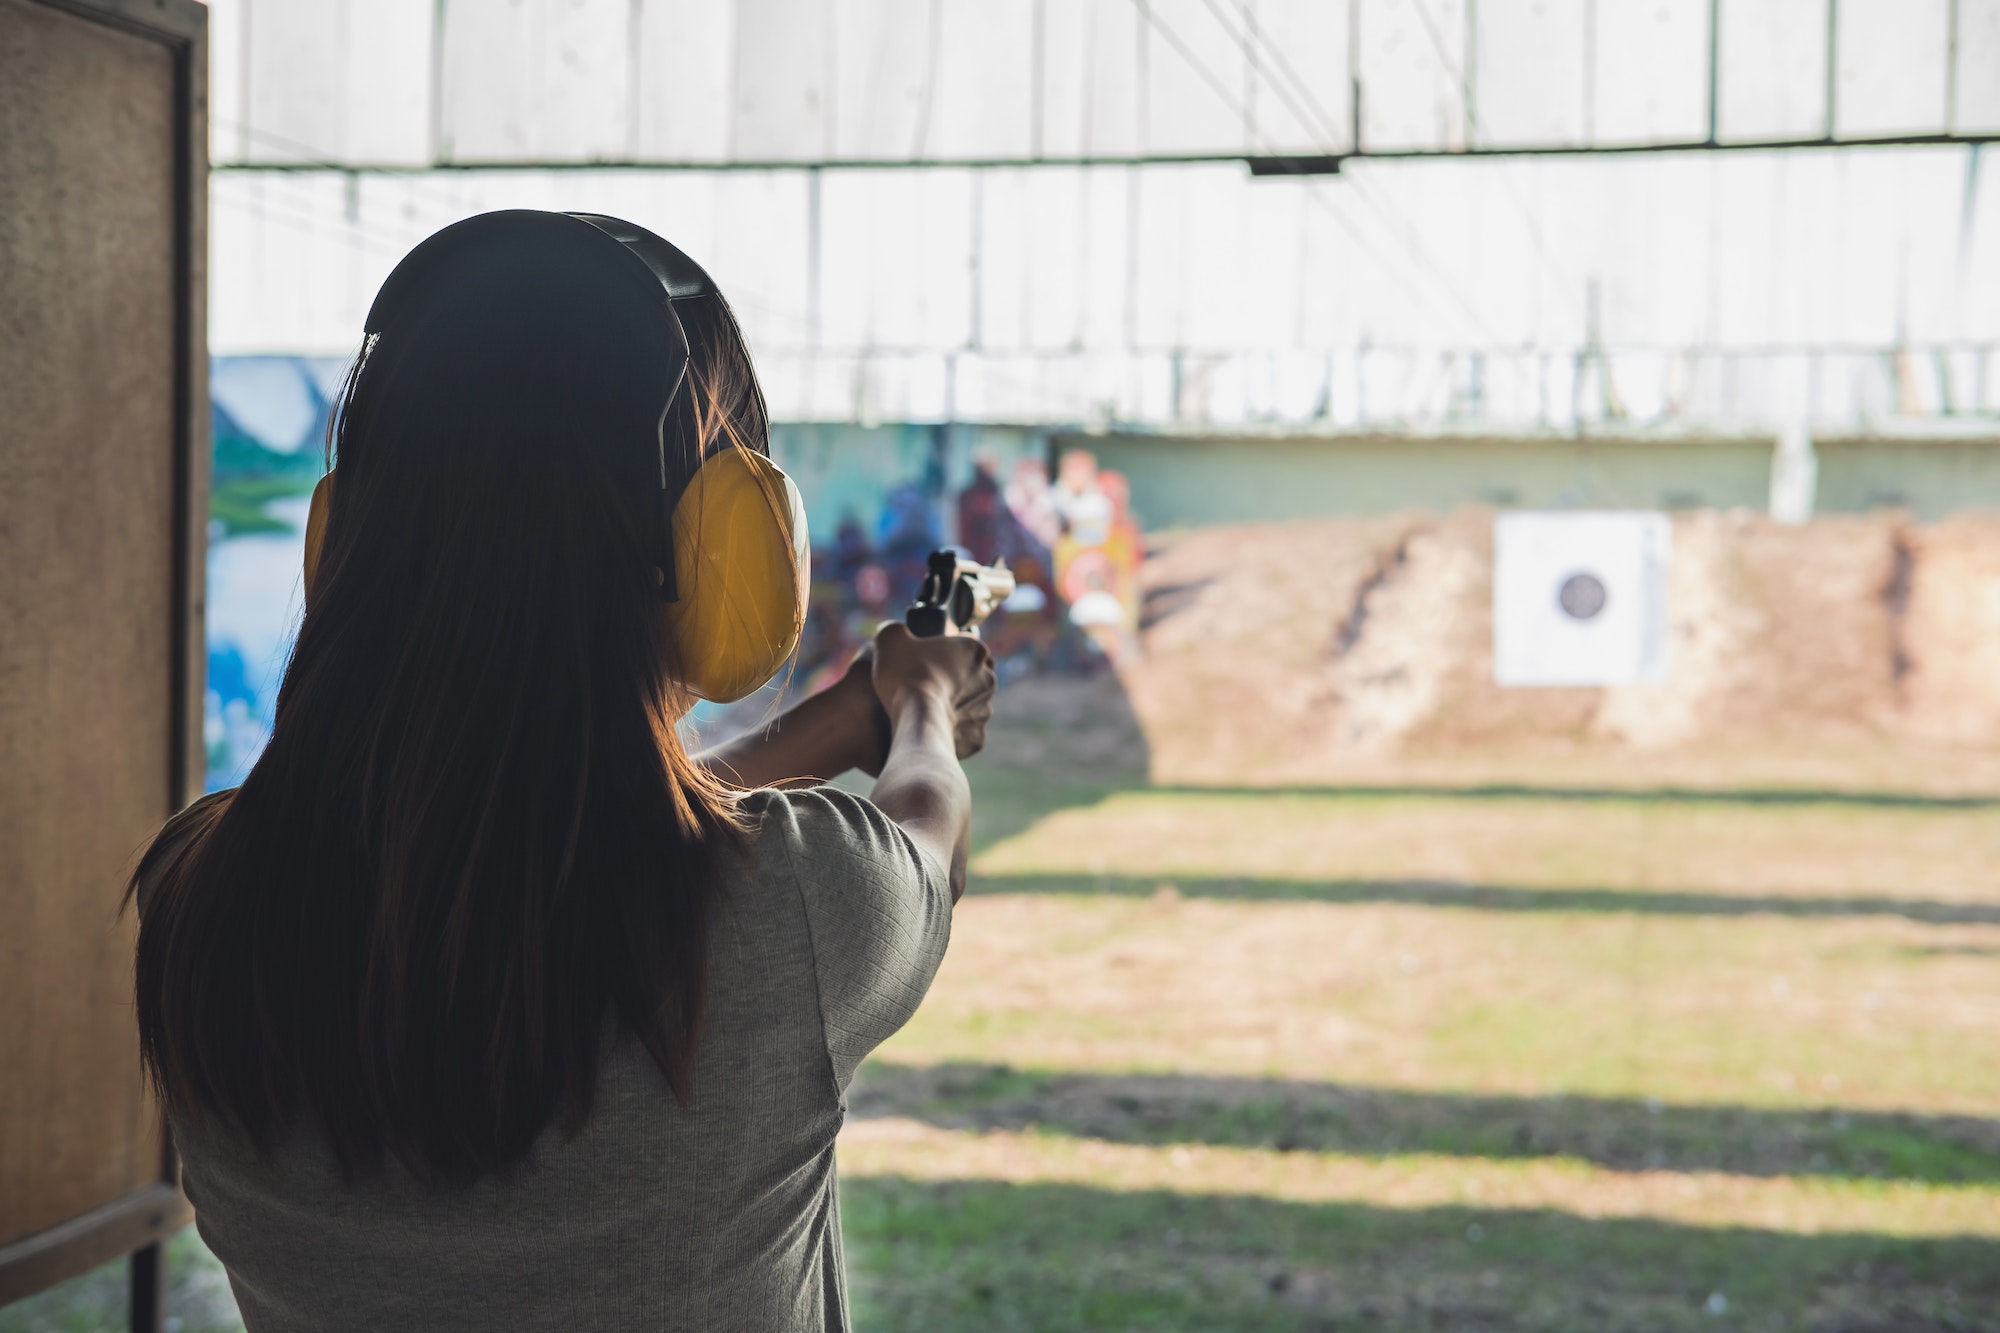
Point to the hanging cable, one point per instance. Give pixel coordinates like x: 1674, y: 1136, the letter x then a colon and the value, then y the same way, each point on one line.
x: 1421, y: 258
x: 1308, y: 109
x: 306, y: 153
x: 1564, y: 280
x: 303, y: 217
x: 1312, y: 110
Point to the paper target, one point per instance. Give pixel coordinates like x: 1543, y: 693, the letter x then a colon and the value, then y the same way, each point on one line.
x: 1580, y: 598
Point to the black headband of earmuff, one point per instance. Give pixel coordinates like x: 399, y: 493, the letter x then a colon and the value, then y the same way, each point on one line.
x: 627, y: 252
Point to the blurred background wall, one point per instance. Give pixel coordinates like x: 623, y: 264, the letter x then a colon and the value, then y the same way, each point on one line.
x: 966, y: 234
x: 1024, y: 211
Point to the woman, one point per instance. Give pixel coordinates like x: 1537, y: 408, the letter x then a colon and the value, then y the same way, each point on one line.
x: 480, y: 1003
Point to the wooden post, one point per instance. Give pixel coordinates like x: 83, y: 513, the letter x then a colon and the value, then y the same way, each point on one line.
x: 103, y: 524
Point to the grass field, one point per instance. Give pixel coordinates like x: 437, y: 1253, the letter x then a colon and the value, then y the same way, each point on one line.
x: 1457, y: 1060
x: 1406, y: 1059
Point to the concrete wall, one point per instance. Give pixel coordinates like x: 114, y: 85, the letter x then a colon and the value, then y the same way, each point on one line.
x: 1193, y: 480
x: 1188, y: 481
x: 1929, y: 477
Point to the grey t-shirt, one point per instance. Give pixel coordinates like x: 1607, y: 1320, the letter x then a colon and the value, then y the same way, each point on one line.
x: 719, y: 1215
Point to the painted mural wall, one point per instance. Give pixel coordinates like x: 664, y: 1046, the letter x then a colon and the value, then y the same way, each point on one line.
x: 879, y: 499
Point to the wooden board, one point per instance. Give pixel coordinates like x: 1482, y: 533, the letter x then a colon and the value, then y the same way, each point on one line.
x: 102, y: 472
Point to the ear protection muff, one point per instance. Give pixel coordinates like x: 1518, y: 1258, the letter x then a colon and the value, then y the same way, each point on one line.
x: 741, y: 559
x: 316, y: 515
x: 733, y: 555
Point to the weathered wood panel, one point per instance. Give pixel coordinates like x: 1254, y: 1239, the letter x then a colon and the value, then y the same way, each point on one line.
x: 99, y: 608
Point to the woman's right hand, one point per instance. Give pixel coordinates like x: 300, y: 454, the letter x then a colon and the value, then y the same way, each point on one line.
x: 951, y: 670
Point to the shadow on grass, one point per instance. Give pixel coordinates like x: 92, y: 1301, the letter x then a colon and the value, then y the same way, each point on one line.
x: 1287, y: 1115
x: 1496, y: 897
x: 1780, y: 796
x: 991, y: 1255
x: 1007, y: 801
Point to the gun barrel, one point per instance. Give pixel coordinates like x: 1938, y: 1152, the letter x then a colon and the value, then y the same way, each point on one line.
x: 958, y: 595
x: 999, y: 581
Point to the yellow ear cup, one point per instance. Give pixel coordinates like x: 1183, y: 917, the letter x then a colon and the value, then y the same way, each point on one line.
x: 316, y: 513
x: 741, y: 565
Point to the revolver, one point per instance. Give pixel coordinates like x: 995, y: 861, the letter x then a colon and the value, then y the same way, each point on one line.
x: 957, y: 595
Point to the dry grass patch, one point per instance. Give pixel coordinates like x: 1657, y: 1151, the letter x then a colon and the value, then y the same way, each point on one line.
x: 912, y: 1150
x: 1807, y: 849
x: 1867, y: 1013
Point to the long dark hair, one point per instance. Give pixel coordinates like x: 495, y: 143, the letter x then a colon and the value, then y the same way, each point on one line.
x: 474, y: 846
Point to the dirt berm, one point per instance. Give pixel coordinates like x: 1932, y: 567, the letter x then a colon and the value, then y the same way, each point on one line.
x: 1851, y: 651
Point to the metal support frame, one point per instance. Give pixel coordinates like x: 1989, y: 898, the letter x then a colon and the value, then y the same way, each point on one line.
x: 1260, y: 164
x: 1714, y: 72
x: 442, y: 158
x: 147, y: 1309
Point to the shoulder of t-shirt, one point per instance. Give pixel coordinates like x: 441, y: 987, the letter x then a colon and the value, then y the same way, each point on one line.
x: 877, y: 911
x: 835, y: 829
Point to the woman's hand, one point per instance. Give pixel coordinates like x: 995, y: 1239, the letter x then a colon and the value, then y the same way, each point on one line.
x: 955, y: 670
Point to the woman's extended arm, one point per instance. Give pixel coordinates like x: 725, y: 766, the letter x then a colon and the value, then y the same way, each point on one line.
x: 820, y: 737
x: 929, y: 699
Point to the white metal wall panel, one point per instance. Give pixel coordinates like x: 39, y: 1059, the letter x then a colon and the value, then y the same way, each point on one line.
x: 1302, y: 100
x: 687, y: 57
x: 1809, y: 210
x: 1004, y: 265
x: 387, y: 81
x: 228, y: 123
x: 307, y: 111
x: 1110, y: 217
x: 1772, y: 69
x: 358, y: 81
x: 537, y: 80
x: 1648, y: 73
x: 1115, y: 48
x: 763, y: 253
x: 1270, y: 238
x: 1056, y: 128
x: 1976, y: 82
x: 1977, y: 280
x: 783, y: 76
x: 1198, y: 91
x: 1529, y: 83
x: 1890, y: 63
x: 1717, y: 288
x: 288, y: 267
x: 1326, y: 273
x: 1413, y: 73
x: 1056, y: 231
x: 898, y: 272
x: 295, y: 98
x: 1930, y: 266
x: 886, y: 86
x: 984, y: 100
x: 1870, y: 251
